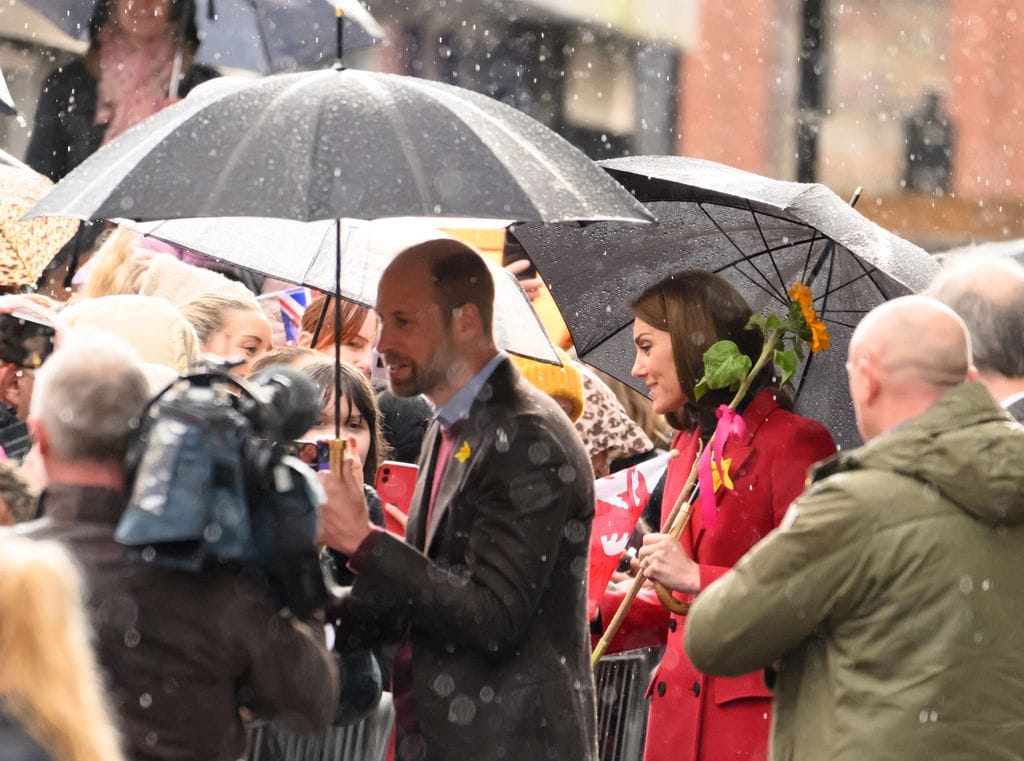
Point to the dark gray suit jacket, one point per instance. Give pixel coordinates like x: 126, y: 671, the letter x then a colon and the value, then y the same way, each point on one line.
x: 494, y: 609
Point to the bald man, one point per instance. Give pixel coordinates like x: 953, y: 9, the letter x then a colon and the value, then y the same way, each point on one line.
x: 988, y: 294
x: 890, y: 597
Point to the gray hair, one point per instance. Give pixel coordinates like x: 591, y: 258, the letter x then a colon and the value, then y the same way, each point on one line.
x: 989, y: 296
x: 88, y: 397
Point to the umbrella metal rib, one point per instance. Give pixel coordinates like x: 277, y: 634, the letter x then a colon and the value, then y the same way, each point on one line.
x: 403, y: 140
x: 770, y: 290
x: 764, y: 239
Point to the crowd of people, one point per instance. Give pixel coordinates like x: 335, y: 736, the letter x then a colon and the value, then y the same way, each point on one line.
x: 867, y: 609
x: 855, y: 604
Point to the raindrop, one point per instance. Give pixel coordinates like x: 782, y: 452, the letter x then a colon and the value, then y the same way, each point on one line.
x: 145, y: 700
x: 212, y: 532
x: 966, y: 585
x: 486, y: 694
x: 539, y: 453
x: 502, y: 443
x: 567, y: 474
x: 132, y: 638
x: 444, y: 685
x: 461, y: 710
x: 985, y: 585
x: 574, y: 531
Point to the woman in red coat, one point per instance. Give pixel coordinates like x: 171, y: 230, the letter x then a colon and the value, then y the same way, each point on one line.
x: 693, y: 716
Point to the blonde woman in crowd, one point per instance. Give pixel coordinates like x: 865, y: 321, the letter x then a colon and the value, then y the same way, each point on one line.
x: 52, y: 706
x: 230, y: 325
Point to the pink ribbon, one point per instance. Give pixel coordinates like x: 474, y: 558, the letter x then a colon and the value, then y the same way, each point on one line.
x: 729, y: 424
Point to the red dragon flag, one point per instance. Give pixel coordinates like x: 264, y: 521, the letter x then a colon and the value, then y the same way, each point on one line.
x: 620, y: 501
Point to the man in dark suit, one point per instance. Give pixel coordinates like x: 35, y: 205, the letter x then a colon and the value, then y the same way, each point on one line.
x: 487, y: 600
x: 988, y: 294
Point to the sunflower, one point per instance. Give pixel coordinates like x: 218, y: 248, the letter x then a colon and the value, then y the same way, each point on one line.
x: 820, y: 339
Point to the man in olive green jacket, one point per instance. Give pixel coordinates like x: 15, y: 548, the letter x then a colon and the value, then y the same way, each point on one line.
x: 891, y: 598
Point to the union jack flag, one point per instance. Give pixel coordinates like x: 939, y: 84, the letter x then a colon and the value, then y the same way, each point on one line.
x: 293, y: 303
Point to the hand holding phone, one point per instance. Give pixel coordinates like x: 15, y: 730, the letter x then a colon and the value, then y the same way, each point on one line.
x: 396, y: 482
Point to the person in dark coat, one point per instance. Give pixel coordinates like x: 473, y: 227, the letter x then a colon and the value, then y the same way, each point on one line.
x: 183, y: 652
x: 988, y: 294
x: 488, y: 596
x: 124, y: 77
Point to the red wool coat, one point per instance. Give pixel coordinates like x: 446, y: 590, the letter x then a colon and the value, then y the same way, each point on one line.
x: 694, y: 717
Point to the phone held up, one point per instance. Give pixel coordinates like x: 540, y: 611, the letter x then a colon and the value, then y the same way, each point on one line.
x: 396, y: 482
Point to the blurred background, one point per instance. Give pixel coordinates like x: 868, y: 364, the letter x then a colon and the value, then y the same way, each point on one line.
x: 919, y: 101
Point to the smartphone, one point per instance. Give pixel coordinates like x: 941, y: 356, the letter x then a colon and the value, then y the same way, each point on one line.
x: 396, y: 481
x: 316, y: 454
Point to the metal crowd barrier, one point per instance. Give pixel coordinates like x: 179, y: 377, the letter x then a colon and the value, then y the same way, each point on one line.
x: 621, y: 682
x: 365, y: 741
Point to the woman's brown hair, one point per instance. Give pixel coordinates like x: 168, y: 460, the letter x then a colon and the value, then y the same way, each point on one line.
x: 697, y: 309
x: 352, y: 318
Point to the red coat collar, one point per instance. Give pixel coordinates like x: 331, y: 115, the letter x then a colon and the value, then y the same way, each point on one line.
x: 736, y: 449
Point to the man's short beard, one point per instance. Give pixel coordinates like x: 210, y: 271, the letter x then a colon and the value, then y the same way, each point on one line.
x: 421, y: 381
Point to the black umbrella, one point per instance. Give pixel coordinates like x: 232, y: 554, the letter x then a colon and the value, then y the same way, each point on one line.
x: 762, y: 235
x: 260, y: 35
x: 339, y: 143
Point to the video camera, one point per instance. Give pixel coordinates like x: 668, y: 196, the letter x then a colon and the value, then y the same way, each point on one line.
x: 212, y: 481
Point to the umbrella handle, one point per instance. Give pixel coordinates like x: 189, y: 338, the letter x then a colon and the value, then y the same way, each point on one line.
x: 681, y: 518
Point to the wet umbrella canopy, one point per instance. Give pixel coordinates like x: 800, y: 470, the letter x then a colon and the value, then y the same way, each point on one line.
x: 257, y: 243
x: 762, y: 235
x: 340, y: 143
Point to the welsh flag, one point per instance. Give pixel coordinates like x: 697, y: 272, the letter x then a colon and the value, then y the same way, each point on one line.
x: 620, y: 501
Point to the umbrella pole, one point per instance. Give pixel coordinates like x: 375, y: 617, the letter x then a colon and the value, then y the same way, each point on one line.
x: 337, y: 330
x: 339, y: 14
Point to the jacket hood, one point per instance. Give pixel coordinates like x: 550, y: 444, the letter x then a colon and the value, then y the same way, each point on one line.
x: 964, y: 446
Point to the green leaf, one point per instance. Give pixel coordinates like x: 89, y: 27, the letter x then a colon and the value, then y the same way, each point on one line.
x: 725, y: 366
x: 787, y: 362
x: 798, y: 347
x: 757, y: 320
x: 700, y: 389
x: 767, y: 322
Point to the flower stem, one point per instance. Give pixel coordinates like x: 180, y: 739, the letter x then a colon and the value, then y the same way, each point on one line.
x: 766, y: 352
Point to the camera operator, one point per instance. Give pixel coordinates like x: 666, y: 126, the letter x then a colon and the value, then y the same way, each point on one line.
x: 183, y: 651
